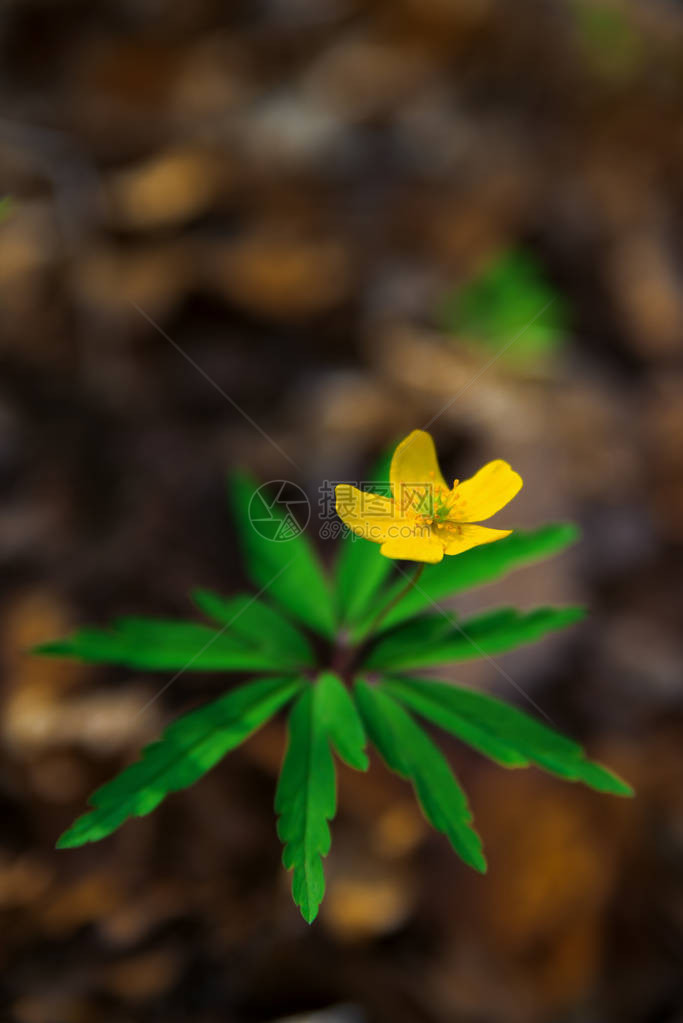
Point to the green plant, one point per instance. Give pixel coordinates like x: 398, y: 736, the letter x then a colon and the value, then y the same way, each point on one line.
x: 611, y: 40
x: 377, y: 635
x: 509, y: 298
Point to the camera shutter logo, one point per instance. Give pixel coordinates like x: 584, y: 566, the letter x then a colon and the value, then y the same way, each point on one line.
x: 279, y: 510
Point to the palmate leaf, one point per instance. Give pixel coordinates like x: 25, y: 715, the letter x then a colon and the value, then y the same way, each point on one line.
x: 474, y: 568
x: 409, y: 752
x: 492, y: 633
x: 306, y: 794
x: 156, y: 645
x: 361, y: 569
x: 502, y: 732
x: 288, y: 571
x: 187, y: 749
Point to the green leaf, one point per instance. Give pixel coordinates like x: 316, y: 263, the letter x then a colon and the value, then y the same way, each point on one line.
x: 341, y: 721
x: 447, y: 704
x: 155, y: 645
x: 475, y: 567
x: 257, y: 623
x: 490, y: 633
x: 187, y: 749
x: 5, y: 207
x: 501, y: 732
x: 474, y: 733
x: 305, y: 800
x: 410, y: 753
x: 287, y: 570
x: 361, y: 569
x: 306, y: 794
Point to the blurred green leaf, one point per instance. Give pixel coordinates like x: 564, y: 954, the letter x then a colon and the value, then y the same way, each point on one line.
x: 490, y: 633
x: 610, y: 39
x: 501, y: 732
x: 5, y: 207
x: 258, y: 623
x: 474, y: 568
x: 361, y: 569
x: 510, y: 297
x: 340, y: 720
x: 473, y: 730
x: 187, y: 749
x: 287, y: 571
x: 443, y: 702
x: 156, y: 645
x: 410, y: 753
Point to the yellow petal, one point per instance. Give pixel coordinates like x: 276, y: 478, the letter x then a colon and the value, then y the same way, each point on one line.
x: 459, y: 538
x: 485, y: 493
x: 415, y: 475
x: 414, y: 549
x: 368, y: 515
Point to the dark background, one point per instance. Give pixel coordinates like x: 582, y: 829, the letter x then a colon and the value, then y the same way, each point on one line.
x: 290, y: 189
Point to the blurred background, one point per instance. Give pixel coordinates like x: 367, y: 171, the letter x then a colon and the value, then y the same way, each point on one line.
x: 339, y: 220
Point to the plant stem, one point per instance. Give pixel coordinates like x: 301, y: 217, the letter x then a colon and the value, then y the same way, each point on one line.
x: 395, y: 600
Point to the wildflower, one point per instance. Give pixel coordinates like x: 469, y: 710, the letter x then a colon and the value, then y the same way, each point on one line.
x: 424, y: 518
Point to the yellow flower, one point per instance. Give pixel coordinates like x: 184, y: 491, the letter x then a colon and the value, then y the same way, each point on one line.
x: 424, y: 518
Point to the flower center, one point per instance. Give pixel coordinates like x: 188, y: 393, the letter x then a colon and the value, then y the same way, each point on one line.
x: 445, y: 501
x: 428, y: 504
